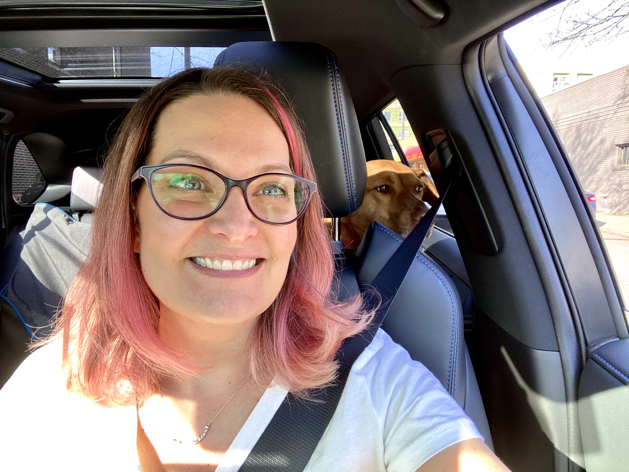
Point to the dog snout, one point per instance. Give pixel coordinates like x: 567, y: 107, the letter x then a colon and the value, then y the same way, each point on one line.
x: 418, y: 213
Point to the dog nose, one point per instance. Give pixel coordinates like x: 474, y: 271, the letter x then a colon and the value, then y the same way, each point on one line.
x: 418, y: 214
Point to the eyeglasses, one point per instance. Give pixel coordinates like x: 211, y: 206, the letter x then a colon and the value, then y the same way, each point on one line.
x: 191, y: 192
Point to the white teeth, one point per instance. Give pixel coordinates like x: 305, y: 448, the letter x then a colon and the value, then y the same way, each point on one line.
x: 224, y: 265
x: 199, y: 261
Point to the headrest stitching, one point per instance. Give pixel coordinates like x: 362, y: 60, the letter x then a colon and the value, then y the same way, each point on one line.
x: 346, y: 140
x: 347, y: 184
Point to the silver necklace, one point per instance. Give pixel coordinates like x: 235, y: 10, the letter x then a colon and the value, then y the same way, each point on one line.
x: 207, y: 426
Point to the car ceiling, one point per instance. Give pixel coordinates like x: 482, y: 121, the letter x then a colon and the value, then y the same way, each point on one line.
x: 373, y: 40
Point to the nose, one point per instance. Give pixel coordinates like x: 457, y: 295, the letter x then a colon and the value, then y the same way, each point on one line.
x: 233, y: 221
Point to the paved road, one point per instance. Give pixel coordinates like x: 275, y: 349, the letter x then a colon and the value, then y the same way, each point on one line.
x: 618, y: 248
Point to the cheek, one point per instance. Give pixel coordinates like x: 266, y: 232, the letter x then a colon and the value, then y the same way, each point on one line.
x: 284, y: 242
x: 153, y: 229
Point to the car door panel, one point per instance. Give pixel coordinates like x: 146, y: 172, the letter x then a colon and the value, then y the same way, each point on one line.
x: 510, y: 288
x: 603, y: 412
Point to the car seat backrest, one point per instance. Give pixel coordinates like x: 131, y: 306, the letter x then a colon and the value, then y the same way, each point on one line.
x: 426, y: 316
x: 54, y: 245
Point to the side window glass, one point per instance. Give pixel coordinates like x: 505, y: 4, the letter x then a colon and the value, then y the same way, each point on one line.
x: 575, y: 58
x: 27, y: 180
x: 407, y: 142
x: 397, y: 120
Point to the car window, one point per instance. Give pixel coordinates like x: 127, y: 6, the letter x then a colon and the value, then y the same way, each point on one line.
x: 581, y: 79
x: 405, y: 139
x: 27, y: 181
x: 403, y: 134
x: 110, y: 62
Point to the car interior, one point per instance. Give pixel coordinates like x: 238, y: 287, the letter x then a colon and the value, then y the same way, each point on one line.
x: 513, y: 304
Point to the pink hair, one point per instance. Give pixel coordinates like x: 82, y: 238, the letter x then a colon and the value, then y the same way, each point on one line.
x: 109, y: 321
x: 289, y: 132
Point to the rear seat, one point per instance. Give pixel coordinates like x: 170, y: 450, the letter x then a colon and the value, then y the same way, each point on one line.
x: 51, y: 249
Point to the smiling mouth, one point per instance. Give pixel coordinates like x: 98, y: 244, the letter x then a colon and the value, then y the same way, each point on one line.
x: 227, y: 265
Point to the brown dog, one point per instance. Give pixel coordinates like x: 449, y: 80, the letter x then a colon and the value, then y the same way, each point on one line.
x: 394, y: 196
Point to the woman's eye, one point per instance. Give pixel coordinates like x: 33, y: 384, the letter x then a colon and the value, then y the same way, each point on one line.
x: 273, y: 191
x: 187, y: 182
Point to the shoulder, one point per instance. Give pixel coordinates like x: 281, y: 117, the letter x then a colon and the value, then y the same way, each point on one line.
x: 37, y: 384
x: 386, y: 364
x: 417, y: 416
x: 399, y: 387
x: 39, y: 414
x: 41, y: 369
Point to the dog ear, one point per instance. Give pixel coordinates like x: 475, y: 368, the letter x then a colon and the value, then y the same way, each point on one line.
x: 349, y: 236
x: 430, y: 195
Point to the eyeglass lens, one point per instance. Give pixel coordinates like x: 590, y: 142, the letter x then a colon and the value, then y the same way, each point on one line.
x: 190, y: 192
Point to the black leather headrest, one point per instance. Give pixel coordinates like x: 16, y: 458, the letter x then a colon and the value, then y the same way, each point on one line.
x: 309, y: 75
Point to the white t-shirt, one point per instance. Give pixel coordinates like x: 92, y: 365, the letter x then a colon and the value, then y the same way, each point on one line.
x: 393, y: 415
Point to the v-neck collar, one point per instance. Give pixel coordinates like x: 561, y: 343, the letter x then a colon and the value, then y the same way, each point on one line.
x: 253, y: 428
x: 250, y: 432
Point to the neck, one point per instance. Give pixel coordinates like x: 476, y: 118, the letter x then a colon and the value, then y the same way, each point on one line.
x: 221, y: 350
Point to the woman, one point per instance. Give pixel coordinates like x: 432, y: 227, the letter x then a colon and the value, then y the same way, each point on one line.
x: 201, y: 305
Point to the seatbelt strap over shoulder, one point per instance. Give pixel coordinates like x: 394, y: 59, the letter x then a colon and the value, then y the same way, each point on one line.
x: 293, y: 433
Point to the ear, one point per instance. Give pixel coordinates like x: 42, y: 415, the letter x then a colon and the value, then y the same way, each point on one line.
x: 430, y: 195
x: 136, y: 228
x: 136, y: 239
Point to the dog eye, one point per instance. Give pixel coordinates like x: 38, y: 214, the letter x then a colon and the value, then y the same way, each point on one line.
x: 383, y: 188
x: 419, y: 189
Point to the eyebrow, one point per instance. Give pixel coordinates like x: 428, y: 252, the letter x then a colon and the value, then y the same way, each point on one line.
x: 211, y: 163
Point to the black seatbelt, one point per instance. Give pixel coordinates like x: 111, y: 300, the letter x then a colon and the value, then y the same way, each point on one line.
x: 296, y: 428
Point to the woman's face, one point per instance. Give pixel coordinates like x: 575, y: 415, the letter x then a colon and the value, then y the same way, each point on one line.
x: 237, y: 138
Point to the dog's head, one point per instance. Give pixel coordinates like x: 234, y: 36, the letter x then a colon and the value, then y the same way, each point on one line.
x: 394, y: 196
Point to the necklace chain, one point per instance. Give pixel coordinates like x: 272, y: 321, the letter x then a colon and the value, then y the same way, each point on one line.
x: 207, y: 426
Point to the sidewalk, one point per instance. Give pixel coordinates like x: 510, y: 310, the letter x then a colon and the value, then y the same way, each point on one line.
x: 615, y: 223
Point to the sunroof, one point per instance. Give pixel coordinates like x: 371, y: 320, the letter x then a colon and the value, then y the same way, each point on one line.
x: 164, y: 3
x: 110, y: 62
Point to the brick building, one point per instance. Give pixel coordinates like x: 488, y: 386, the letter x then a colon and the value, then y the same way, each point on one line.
x: 592, y: 120
x: 82, y: 62
x: 25, y: 170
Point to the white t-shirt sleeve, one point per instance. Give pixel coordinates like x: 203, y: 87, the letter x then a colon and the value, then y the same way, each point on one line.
x: 43, y: 427
x: 418, y: 417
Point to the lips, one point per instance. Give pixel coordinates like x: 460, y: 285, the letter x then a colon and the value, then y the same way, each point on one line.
x: 224, y: 264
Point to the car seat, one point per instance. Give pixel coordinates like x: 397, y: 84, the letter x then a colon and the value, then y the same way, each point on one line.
x: 426, y: 316
x: 47, y: 254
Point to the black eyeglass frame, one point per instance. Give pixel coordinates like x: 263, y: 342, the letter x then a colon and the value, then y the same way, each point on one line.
x: 146, y: 173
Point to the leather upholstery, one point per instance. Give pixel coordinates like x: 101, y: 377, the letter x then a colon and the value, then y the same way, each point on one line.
x: 309, y: 76
x: 86, y: 188
x: 426, y: 319
x: 426, y: 315
x: 603, y: 412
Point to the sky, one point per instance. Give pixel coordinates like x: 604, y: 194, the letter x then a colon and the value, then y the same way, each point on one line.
x: 527, y: 40
x: 166, y: 61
